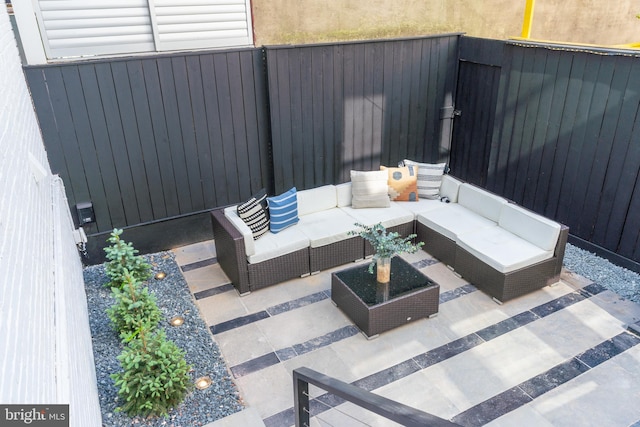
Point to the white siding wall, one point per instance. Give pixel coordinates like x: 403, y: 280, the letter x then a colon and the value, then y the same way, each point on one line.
x: 45, y: 344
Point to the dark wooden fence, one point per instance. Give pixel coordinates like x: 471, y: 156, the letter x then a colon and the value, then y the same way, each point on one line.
x: 557, y: 132
x: 148, y: 140
x: 358, y: 106
x: 155, y: 142
x: 476, y: 99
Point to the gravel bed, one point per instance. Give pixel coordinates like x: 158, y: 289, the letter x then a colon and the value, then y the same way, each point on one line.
x: 173, y: 297
x: 622, y: 281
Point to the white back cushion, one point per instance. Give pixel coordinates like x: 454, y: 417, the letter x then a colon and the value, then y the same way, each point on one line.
x: 343, y: 192
x: 449, y: 188
x: 317, y: 199
x: 530, y: 226
x: 481, y: 201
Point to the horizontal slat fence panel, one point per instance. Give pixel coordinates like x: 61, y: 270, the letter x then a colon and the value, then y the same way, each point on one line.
x: 154, y: 138
x: 358, y: 106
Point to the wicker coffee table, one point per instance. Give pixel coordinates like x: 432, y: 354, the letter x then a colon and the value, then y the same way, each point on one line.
x: 376, y: 308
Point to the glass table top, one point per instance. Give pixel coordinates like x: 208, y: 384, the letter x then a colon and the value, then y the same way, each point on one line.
x: 404, y: 279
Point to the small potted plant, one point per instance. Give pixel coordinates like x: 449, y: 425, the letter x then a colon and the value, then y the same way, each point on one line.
x: 386, y: 246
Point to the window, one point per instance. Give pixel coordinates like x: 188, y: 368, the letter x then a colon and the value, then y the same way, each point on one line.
x: 72, y: 28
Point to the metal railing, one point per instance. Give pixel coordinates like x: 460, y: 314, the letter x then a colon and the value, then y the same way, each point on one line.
x: 387, y: 408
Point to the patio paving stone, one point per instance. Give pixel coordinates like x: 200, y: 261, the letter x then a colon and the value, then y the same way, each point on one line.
x: 584, y: 401
x: 196, y: 252
x: 298, y: 326
x: 210, y: 276
x: 240, y: 347
x: 625, y: 311
x: 275, y: 295
x: 269, y: 390
x: 443, y: 275
x: 477, y: 362
x: 247, y: 417
x: 222, y: 307
x: 419, y: 391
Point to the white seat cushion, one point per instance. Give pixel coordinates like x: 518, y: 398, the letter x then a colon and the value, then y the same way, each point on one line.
x: 452, y: 220
x: 502, y: 249
x: 422, y: 205
x: 388, y: 217
x: 532, y: 227
x: 481, y: 201
x: 326, y: 227
x: 272, y: 245
x: 448, y: 188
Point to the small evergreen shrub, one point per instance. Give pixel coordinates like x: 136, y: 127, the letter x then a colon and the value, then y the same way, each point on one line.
x: 135, y: 307
x: 155, y: 375
x: 123, y: 260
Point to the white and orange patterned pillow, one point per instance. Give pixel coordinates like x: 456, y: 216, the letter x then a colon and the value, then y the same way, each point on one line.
x: 402, y: 183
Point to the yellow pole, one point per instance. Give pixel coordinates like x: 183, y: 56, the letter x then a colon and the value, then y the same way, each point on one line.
x: 528, y: 19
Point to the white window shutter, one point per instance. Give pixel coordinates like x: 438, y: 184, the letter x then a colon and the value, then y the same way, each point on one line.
x: 72, y: 28
x: 194, y: 24
x: 94, y: 27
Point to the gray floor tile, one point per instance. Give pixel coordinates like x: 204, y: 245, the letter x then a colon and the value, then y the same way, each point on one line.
x: 195, y: 252
x: 523, y: 350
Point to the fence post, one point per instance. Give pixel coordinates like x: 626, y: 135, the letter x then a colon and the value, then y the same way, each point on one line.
x: 301, y: 400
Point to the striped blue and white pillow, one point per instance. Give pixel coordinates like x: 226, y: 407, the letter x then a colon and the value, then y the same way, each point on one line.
x: 255, y: 214
x: 283, y: 210
x: 429, y: 178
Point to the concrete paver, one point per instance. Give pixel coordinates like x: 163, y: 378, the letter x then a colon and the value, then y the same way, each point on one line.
x: 476, y: 352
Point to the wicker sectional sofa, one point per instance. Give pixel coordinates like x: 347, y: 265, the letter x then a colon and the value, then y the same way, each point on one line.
x: 503, y: 249
x: 320, y: 240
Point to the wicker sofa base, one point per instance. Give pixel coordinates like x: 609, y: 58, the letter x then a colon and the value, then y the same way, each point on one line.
x: 276, y: 270
x: 338, y: 253
x: 505, y: 286
x: 436, y: 244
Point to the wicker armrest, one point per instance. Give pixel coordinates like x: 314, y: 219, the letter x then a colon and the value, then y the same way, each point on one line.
x: 230, y: 250
x: 560, y: 247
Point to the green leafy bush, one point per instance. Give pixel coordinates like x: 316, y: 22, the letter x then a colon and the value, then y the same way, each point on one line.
x: 123, y: 260
x: 135, y: 307
x: 155, y: 375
